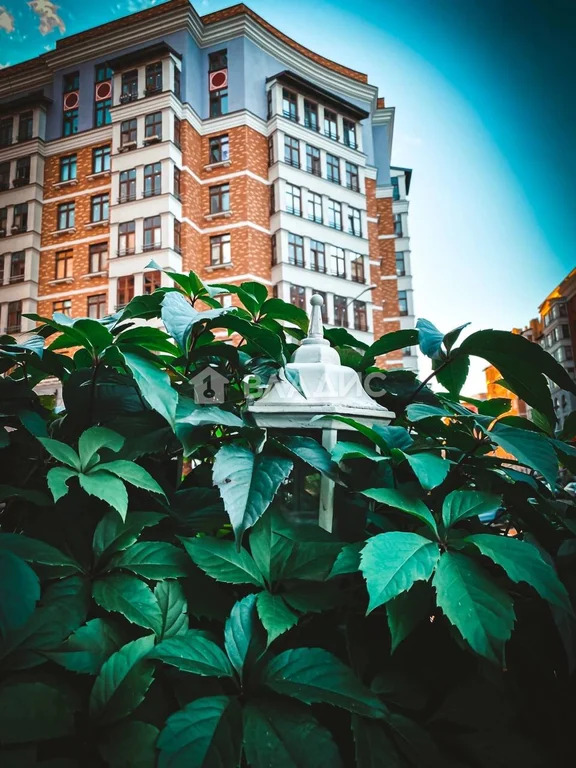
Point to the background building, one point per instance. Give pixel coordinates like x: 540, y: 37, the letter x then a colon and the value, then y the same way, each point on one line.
x: 211, y: 143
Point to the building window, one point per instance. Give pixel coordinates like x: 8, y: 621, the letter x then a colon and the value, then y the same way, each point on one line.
x: 96, y: 306
x: 220, y: 198
x: 178, y: 132
x: 402, y: 303
x: 25, y: 126
x: 272, y: 200
x: 398, y: 225
x: 127, y: 187
x: 129, y: 86
x: 270, y: 151
x: 332, y: 168
x: 101, y: 159
x: 298, y: 296
x: 315, y: 207
x: 125, y: 290
x: 97, y: 258
x: 126, y: 238
x: 63, y: 264
x: 269, y: 103
x: 17, y: 266
x: 324, y: 307
x: 128, y: 132
x: 20, y: 220
x: 349, y: 129
x: 334, y: 214
x: 99, y: 208
x: 71, y: 82
x: 354, y: 222
x: 360, y: 316
x: 152, y: 281
x: 341, y: 311
x: 152, y: 179
x: 102, y: 112
x: 295, y: 249
x: 220, y: 250
x: 219, y: 149
x: 289, y: 105
x: 14, y: 323
x: 337, y: 261
x: 68, y: 167
x: 310, y: 115
x: 64, y: 307
x: 103, y: 73
x: 22, y: 171
x: 177, y: 82
x: 357, y: 270
x: 6, y: 128
x: 177, y: 182
x: 330, y: 124
x: 177, y: 236
x: 152, y: 233
x: 70, y: 122
x: 153, y: 126
x: 4, y: 176
x: 317, y: 256
x: 400, y: 264
x: 394, y: 180
x: 274, y: 250
x: 292, y: 151
x: 218, y: 102
x: 352, y: 177
x: 217, y: 60
x: 313, y: 160
x: 3, y: 221
x: 293, y: 199
x: 153, y: 78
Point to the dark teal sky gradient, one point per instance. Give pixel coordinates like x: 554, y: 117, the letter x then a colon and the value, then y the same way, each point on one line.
x: 485, y: 115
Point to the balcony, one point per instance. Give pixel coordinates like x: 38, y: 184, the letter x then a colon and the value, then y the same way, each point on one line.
x: 126, y: 98
x: 156, y: 246
x: 127, y: 146
x: 155, y: 139
x: 127, y: 198
x: 126, y: 251
x: 21, y: 181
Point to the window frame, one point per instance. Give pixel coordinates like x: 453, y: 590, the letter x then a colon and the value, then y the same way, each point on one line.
x: 218, y: 146
x: 64, y: 264
x: 101, y: 159
x: 70, y: 164
x: 127, y: 185
x: 152, y: 224
x: 99, y: 304
x: 100, y: 208
x: 296, y: 250
x: 293, y: 199
x: 18, y: 259
x: 219, y: 198
x: 292, y: 151
x: 220, y: 250
x: 127, y: 235
x: 153, y: 174
x: 98, y: 254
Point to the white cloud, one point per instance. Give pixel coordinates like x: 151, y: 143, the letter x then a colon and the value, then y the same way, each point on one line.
x: 3, y: 66
x: 49, y: 18
x: 6, y: 20
x: 133, y: 6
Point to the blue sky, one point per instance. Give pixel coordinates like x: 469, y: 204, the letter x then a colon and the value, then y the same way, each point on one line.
x: 484, y: 115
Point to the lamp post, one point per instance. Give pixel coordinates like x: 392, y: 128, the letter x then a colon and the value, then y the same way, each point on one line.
x: 362, y: 292
x: 328, y: 389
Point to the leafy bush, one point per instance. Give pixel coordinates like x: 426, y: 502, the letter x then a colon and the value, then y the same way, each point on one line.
x: 163, y: 605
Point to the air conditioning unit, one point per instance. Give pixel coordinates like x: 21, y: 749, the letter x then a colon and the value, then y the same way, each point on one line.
x: 152, y: 139
x: 71, y: 100
x: 127, y: 146
x: 103, y: 91
x: 218, y: 80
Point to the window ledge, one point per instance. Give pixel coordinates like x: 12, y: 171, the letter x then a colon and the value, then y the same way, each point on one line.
x: 221, y: 164
x: 98, y: 175
x: 88, y: 275
x: 66, y: 231
x: 61, y: 280
x: 212, y: 267
x: 101, y: 223
x: 67, y: 183
x: 219, y: 215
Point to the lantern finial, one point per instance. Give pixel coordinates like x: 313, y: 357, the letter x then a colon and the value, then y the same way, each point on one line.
x: 315, y: 329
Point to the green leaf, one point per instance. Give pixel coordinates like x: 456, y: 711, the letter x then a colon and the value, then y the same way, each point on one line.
x: 88, y: 647
x: 192, y: 652
x: 108, y: 488
x: 373, y: 747
x: 430, y: 470
x: 430, y: 339
x: 453, y: 376
x: 529, y: 447
x: 122, y: 682
x: 523, y: 562
x: 392, y: 562
x: 368, y: 432
x: 314, y: 675
x: 348, y: 561
x: 150, y: 338
x: 32, y: 712
x: 62, y: 452
x: 281, y: 310
x: 222, y: 561
x: 284, y: 734
x: 152, y: 560
x: 406, y: 611
x: 180, y: 317
x: 35, y: 551
x: 310, y: 452
x: 275, y: 615
x: 248, y: 483
x: 390, y: 342
x: 243, y: 636
x: 19, y: 593
x: 154, y: 385
x: 419, y: 411
x: 173, y: 607
x: 262, y: 342
x: 481, y: 611
x: 394, y: 437
x: 402, y: 501
x: 191, y: 414
x: 113, y: 534
x: 344, y: 450
x: 452, y: 336
x: 57, y: 479
x: 131, y: 597
x: 207, y: 733
x: 95, y: 438
x: 461, y: 505
x: 132, y: 473
x: 340, y: 337
x: 130, y: 745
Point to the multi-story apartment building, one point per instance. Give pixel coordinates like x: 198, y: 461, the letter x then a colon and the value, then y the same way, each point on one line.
x: 212, y: 143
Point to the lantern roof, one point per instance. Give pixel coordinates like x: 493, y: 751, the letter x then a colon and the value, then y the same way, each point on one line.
x: 322, y: 386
